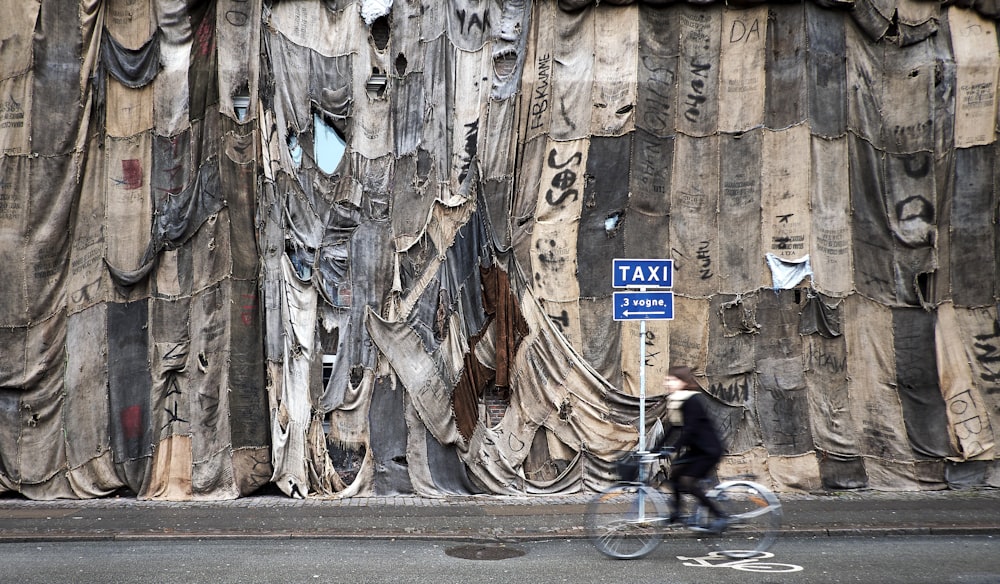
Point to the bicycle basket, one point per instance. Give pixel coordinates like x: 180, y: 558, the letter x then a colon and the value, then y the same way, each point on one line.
x: 627, y: 467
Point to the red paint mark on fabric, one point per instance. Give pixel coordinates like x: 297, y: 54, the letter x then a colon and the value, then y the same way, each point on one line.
x: 131, y: 418
x: 132, y: 174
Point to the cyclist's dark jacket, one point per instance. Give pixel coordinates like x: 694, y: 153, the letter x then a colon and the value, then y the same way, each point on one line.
x: 696, y: 440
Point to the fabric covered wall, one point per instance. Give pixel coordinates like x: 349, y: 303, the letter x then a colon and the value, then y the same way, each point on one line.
x: 355, y: 247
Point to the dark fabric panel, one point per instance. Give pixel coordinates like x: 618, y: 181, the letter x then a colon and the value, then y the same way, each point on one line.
x: 740, y: 211
x: 602, y: 337
x: 497, y: 195
x: 371, y: 280
x: 239, y: 182
x: 910, y: 204
x: 646, y: 236
x: 448, y: 472
x: 55, y: 97
x: 10, y: 433
x: 782, y: 403
x: 785, y: 66
x: 605, y: 195
x: 129, y: 382
x: 872, y: 17
x: 460, y: 276
x: 730, y: 346
x: 248, y: 406
x: 387, y: 420
x: 820, y: 316
x: 864, y: 80
x: 972, y: 228
x: 47, y: 245
x: 924, y: 408
x: 656, y: 96
x: 408, y: 115
x: 842, y: 473
x: 874, y: 276
x: 131, y: 67
x: 203, y: 73
x: 652, y: 162
x: 827, y: 71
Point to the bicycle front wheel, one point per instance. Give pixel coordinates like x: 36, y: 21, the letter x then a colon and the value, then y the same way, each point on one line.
x: 627, y: 520
x: 754, y: 519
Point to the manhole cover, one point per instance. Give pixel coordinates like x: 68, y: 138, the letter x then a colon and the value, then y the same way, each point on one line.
x: 484, y: 552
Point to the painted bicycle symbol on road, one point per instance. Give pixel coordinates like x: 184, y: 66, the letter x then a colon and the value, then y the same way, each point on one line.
x: 752, y: 564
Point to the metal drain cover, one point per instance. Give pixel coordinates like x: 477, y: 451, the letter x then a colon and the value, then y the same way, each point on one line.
x: 484, y: 552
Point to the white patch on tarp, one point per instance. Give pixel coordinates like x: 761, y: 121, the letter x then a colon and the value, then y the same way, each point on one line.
x: 787, y: 274
x: 371, y: 10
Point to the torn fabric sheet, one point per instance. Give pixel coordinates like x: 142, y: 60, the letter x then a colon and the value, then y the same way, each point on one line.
x: 786, y: 274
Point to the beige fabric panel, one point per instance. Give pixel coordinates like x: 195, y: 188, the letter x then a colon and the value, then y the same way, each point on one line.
x: 752, y: 462
x: 291, y: 401
x: 170, y: 476
x: 470, y: 94
x: 237, y: 37
x: 739, y: 213
x: 536, y: 94
x: 657, y: 347
x: 615, y: 70
x: 499, y: 142
x: 170, y: 87
x: 694, y: 207
x: 970, y: 430
x: 129, y: 111
x: 557, y: 215
x: 89, y: 282
x: 87, y: 417
x: 834, y: 427
x: 565, y: 316
x: 17, y: 25
x: 785, y: 194
x: 211, y: 253
x: 128, y: 204
x: 875, y: 404
x: 308, y: 24
x: 795, y: 473
x: 980, y: 326
x: 572, y: 74
x: 372, y: 115
x: 689, y: 332
x: 129, y: 21
x: 974, y: 42
x: 908, y: 98
x: 741, y: 87
x: 915, y: 12
x: 14, y: 205
x: 698, y: 69
x: 830, y: 229
x: 15, y: 116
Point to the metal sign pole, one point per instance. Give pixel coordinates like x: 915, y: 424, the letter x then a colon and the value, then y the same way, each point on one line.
x: 642, y: 385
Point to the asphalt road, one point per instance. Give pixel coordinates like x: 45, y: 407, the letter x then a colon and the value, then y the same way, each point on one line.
x: 804, y: 560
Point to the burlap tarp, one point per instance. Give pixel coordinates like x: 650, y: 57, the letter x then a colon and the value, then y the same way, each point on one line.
x: 288, y: 243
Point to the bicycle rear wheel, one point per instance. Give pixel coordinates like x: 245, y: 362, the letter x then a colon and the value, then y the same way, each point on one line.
x: 754, y: 519
x: 627, y: 521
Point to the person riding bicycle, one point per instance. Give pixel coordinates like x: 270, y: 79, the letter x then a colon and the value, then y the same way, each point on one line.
x: 690, y: 432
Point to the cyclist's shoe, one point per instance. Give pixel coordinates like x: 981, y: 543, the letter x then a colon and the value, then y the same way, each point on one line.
x: 718, y: 525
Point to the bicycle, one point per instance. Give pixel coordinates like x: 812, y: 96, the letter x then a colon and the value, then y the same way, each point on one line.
x: 629, y: 519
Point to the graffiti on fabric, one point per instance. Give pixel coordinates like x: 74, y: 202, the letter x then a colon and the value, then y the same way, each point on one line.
x: 736, y: 392
x: 696, y: 93
x: 967, y: 424
x: 540, y: 96
x: 658, y: 94
x: 564, y: 181
x: 829, y: 362
x: 238, y: 13
x: 986, y: 348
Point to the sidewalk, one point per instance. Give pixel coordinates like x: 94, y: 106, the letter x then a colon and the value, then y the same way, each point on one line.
x: 959, y: 512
